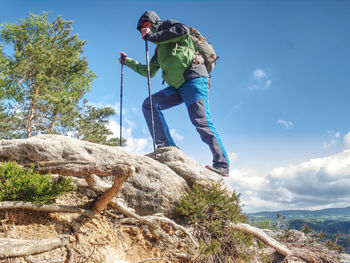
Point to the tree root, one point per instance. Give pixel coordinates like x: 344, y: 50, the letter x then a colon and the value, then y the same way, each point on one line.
x: 153, y: 222
x: 20, y: 247
x: 259, y: 234
x: 68, y: 259
x: 10, y: 205
x: 30, y: 259
x: 153, y: 226
x: 267, y: 240
x: 121, y: 173
x: 148, y: 260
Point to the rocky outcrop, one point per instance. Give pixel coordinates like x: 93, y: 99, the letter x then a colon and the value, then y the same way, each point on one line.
x: 151, y: 186
x: 155, y: 187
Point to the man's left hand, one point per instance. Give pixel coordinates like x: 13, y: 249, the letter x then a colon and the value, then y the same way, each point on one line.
x: 144, y: 31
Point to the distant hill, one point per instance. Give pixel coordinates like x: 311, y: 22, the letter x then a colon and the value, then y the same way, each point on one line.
x: 329, y: 213
x: 331, y: 221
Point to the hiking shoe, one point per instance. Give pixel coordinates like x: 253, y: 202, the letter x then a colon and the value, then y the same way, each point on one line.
x: 225, y: 172
x: 160, y: 149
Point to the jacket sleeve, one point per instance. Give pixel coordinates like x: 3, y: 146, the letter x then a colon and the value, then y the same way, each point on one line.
x: 141, y: 68
x: 171, y: 32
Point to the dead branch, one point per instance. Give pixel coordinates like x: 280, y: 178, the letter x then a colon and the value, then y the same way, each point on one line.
x: 11, y: 205
x: 20, y: 247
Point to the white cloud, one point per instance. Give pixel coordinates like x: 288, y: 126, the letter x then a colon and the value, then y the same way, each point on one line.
x: 347, y: 141
x: 259, y: 74
x: 115, y: 106
x: 267, y: 84
x: 140, y: 145
x: 137, y: 145
x: 177, y: 136
x: 260, y: 80
x: 232, y: 157
x: 286, y: 124
x: 333, y: 139
x: 314, y: 184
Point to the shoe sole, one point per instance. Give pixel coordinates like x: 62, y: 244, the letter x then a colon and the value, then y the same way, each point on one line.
x: 214, y: 171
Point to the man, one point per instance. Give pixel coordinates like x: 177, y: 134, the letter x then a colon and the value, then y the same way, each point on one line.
x: 188, y: 82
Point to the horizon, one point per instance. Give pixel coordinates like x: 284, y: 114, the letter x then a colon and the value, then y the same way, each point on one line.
x: 298, y: 210
x: 279, y: 92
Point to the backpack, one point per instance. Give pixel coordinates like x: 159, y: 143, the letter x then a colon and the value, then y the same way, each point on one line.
x: 204, y: 50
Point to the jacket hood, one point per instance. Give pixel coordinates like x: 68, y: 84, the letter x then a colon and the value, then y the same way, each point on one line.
x: 150, y: 16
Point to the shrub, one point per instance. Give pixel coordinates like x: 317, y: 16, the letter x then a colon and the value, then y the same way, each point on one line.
x: 264, y: 224
x: 211, y: 210
x: 306, y: 229
x: 20, y: 184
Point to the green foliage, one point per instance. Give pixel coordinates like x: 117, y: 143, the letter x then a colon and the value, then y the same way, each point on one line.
x: 265, y: 224
x: 332, y: 245
x: 46, y: 76
x: 9, y: 123
x: 211, y: 210
x: 3, y: 68
x: 43, y: 82
x: 92, y: 125
x: 306, y: 229
x: 17, y: 183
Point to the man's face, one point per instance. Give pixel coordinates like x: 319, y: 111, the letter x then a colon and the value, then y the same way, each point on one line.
x: 147, y: 24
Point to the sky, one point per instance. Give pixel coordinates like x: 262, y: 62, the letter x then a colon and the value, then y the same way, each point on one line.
x: 279, y: 94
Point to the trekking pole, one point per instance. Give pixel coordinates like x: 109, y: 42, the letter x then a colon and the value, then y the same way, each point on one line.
x: 150, y: 99
x: 121, y: 100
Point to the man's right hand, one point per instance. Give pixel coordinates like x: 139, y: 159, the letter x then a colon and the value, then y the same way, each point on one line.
x: 123, y: 58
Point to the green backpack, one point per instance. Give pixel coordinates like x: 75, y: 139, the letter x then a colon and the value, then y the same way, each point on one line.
x: 204, y: 50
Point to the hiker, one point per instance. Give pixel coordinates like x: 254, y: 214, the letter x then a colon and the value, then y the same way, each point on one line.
x: 188, y: 82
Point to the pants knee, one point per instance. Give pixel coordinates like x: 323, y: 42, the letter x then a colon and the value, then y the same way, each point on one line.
x: 146, y: 105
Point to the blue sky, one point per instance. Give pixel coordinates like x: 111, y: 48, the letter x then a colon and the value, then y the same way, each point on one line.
x: 279, y: 96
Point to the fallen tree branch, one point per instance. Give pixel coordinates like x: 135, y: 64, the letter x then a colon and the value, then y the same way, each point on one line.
x: 10, y: 205
x: 20, y: 247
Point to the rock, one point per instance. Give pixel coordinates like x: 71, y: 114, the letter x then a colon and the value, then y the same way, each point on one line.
x: 293, y: 259
x: 155, y: 187
x: 187, y: 168
x: 345, y: 258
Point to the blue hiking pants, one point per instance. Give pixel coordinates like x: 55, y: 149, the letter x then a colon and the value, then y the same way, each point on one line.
x: 195, y: 95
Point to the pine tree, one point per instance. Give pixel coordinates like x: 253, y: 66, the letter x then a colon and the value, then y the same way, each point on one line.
x: 92, y: 125
x: 47, y: 75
